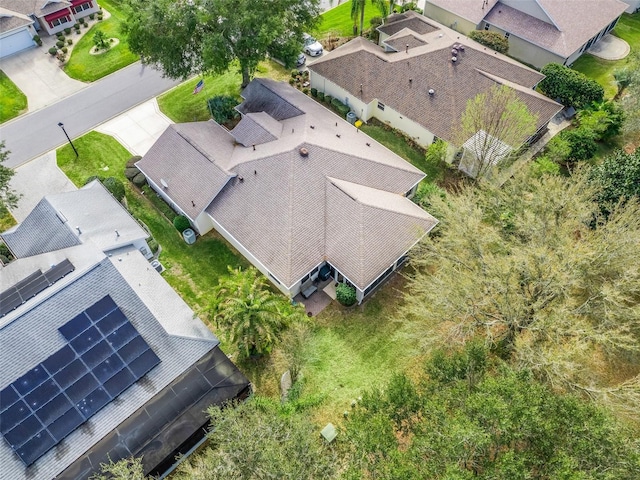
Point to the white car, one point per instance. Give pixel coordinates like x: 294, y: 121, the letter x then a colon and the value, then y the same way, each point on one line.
x: 311, y: 46
x: 301, y: 60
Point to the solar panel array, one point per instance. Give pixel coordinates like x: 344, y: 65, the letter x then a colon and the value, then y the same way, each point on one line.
x: 22, y: 291
x: 104, y: 355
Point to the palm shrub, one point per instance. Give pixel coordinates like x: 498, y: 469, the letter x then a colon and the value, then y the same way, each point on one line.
x: 346, y: 294
x: 249, y: 314
x: 101, y: 41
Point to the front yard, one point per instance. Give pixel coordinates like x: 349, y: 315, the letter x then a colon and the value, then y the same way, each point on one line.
x: 12, y: 101
x: 86, y: 67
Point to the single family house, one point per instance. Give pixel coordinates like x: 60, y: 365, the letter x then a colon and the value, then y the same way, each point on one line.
x: 101, y: 360
x: 421, y: 77
x: 539, y: 31
x: 294, y: 188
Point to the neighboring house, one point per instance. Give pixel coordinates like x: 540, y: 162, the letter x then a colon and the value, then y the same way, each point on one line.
x: 422, y: 78
x: 293, y: 188
x: 539, y: 31
x: 21, y: 19
x: 87, y: 215
x: 634, y: 5
x: 100, y: 360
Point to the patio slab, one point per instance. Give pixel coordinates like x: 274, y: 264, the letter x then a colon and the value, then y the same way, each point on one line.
x: 610, y: 47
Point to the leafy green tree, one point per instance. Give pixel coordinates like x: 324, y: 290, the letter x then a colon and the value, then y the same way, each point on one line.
x: 543, y: 165
x: 8, y: 197
x: 526, y: 268
x: 504, y: 119
x: 582, y: 143
x: 570, y: 87
x: 605, y: 119
x: 260, y: 439
x: 209, y: 36
x: 492, y: 40
x: 223, y: 108
x: 466, y: 421
x: 250, y: 315
x: 357, y: 12
x: 618, y: 179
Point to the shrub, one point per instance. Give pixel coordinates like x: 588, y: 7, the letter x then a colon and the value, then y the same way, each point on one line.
x: 426, y: 192
x: 305, y: 91
x: 181, y: 223
x: 328, y: 99
x: 38, y: 40
x: 64, y: 49
x: 491, y: 39
x: 335, y: 102
x: 153, y: 245
x: 411, y: 6
x: 92, y: 16
x: 101, y: 41
x: 320, y: 96
x: 582, y: 142
x: 375, y: 22
x: 605, y: 119
x: 99, y: 17
x: 139, y: 180
x: 92, y: 178
x: 343, y: 110
x: 132, y: 161
x: 346, y: 294
x: 69, y: 41
x: 223, y: 108
x: 59, y: 44
x: 314, y: 92
x: 544, y: 166
x: 53, y: 51
x: 67, y: 30
x: 295, y: 73
x: 114, y: 186
x: 569, y: 86
x: 62, y: 57
x: 292, y: 81
x: 60, y: 37
x: 131, y: 172
x: 305, y: 74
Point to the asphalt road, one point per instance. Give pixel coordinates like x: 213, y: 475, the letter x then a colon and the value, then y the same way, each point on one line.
x: 34, y: 134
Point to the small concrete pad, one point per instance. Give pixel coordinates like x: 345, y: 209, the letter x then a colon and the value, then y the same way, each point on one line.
x: 610, y: 47
x: 36, y: 179
x: 329, y: 433
x: 138, y: 128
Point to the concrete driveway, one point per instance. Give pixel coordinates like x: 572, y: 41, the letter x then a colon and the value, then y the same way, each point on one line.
x: 39, y: 75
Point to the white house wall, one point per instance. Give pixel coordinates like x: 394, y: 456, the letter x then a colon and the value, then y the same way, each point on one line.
x: 203, y: 223
x: 527, y: 52
x: 449, y: 19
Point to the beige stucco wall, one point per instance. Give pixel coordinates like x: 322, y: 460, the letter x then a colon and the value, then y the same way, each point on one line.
x: 528, y: 52
x: 449, y: 19
x: 203, y: 223
x: 530, y: 7
x: 415, y: 131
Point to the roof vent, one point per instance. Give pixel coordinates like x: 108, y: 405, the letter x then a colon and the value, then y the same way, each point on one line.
x: 454, y: 51
x: 454, y: 59
x: 164, y: 183
x: 432, y: 92
x: 304, y: 152
x: 461, y: 48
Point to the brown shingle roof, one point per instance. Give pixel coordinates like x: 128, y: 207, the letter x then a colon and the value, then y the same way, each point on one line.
x: 257, y: 128
x: 574, y: 22
x: 385, y: 76
x: 183, y: 158
x: 403, y: 41
x: 414, y: 23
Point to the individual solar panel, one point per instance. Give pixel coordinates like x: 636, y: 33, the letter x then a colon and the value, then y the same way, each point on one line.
x: 58, y: 271
x: 9, y: 300
x: 27, y: 280
x: 104, y: 356
x: 34, y: 287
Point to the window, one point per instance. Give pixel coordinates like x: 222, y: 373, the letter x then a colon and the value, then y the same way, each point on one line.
x: 58, y: 21
x: 506, y: 35
x: 381, y: 106
x: 80, y: 8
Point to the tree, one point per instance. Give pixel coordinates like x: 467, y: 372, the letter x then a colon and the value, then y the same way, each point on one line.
x: 223, y: 108
x: 605, y: 119
x: 533, y: 270
x: 570, y: 87
x: 617, y: 178
x: 8, y: 197
x: 209, y: 36
x: 251, y: 316
x: 468, y: 421
x: 491, y: 39
x: 493, y: 127
x: 260, y: 439
x: 582, y: 143
x: 357, y: 11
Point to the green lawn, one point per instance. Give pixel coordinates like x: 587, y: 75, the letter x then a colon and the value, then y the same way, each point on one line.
x: 88, y: 68
x: 600, y: 70
x: 181, y: 105
x: 6, y: 219
x: 12, y: 101
x: 338, y: 21
x: 192, y: 270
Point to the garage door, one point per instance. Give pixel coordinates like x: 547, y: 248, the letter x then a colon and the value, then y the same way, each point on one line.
x: 14, y: 42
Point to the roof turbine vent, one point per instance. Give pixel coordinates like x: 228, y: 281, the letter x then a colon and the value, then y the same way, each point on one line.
x: 454, y: 59
x: 304, y: 152
x: 432, y: 92
x: 454, y: 51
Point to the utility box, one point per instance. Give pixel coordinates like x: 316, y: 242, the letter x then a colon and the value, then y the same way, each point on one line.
x: 189, y: 236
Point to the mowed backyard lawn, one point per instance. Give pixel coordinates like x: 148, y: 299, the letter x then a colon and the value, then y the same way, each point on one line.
x: 346, y: 351
x: 602, y: 71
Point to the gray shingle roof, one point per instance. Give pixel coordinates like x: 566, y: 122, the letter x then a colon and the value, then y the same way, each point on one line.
x: 38, y: 7
x: 402, y: 41
x: 183, y: 157
x: 395, y: 23
x: 257, y: 128
x: 379, y: 227
x: 44, y: 230
x: 272, y: 100
x: 10, y: 20
x: 573, y: 22
x: 385, y: 76
x: 32, y: 336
